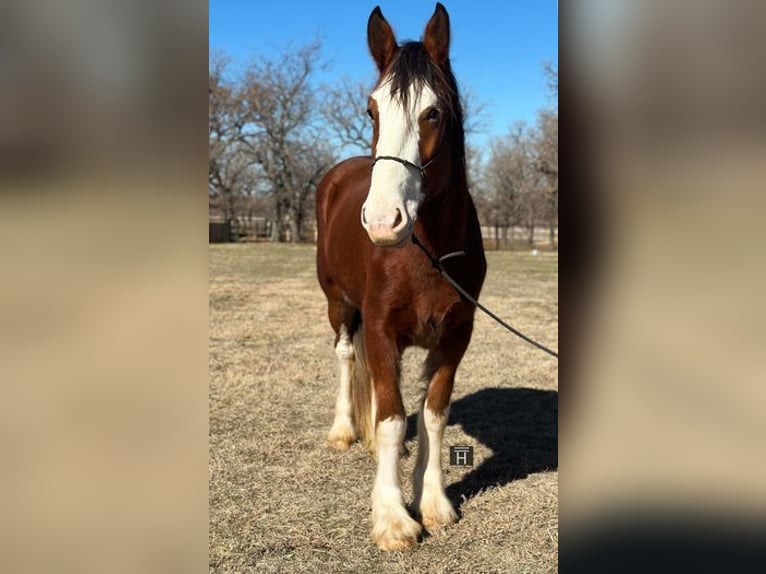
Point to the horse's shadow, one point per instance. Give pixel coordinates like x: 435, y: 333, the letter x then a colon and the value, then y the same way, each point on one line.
x: 519, y: 425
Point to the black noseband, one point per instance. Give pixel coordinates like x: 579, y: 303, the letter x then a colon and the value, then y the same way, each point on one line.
x: 419, y: 168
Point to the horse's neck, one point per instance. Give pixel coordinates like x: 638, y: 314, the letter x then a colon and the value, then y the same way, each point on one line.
x: 444, y: 219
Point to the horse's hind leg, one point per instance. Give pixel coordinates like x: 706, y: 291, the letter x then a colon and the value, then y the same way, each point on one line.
x: 342, y: 434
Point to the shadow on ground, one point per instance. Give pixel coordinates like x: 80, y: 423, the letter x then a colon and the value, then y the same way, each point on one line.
x: 519, y: 425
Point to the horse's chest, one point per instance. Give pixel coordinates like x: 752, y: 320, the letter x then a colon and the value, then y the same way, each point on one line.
x: 428, y: 333
x: 433, y: 318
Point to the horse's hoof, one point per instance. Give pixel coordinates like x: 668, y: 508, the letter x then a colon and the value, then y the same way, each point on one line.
x: 437, y: 513
x: 340, y: 445
x: 341, y: 438
x: 393, y: 527
x: 391, y: 544
x: 400, y: 534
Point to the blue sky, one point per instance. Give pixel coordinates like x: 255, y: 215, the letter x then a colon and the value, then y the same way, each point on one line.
x: 497, y: 47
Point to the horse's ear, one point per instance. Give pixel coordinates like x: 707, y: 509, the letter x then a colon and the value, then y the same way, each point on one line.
x: 436, y: 38
x: 380, y: 39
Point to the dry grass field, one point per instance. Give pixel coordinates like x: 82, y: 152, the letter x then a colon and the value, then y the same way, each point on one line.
x: 282, y: 501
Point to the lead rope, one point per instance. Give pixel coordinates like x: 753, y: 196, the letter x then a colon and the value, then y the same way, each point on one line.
x: 437, y: 264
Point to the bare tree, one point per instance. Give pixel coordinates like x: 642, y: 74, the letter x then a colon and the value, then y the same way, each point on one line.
x: 547, y: 152
x: 475, y: 122
x: 474, y: 112
x: 345, y: 111
x: 547, y: 164
x: 515, y: 183
x: 229, y: 170
x: 551, y: 73
x: 474, y: 156
x: 503, y: 172
x: 283, y: 133
x: 308, y: 162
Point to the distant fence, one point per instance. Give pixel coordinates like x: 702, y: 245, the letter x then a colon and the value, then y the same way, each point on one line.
x: 219, y: 232
x: 254, y: 229
x: 517, y: 237
x: 259, y: 229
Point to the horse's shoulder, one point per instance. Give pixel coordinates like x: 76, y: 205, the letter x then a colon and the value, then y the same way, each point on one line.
x: 349, y: 176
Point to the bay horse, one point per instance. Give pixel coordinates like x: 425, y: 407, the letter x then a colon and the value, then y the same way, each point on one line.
x: 383, y: 295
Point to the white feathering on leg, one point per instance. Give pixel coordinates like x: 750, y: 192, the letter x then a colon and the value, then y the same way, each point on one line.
x: 342, y: 434
x: 392, y: 526
x: 428, y: 484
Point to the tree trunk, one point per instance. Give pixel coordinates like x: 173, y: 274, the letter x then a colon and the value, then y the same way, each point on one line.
x: 276, y: 228
x: 531, y: 236
x: 295, y: 230
x: 228, y: 204
x: 552, y: 234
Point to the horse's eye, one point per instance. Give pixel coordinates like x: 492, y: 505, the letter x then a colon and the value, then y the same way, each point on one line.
x: 369, y: 113
x: 432, y: 115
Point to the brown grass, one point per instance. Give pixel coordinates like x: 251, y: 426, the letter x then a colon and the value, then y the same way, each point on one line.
x: 281, y: 501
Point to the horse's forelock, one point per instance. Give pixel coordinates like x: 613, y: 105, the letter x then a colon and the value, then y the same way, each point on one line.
x: 411, y: 66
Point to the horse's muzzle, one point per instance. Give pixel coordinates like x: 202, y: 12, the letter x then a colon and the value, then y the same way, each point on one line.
x: 391, y: 228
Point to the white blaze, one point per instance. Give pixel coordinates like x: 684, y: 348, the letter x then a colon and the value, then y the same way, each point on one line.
x: 395, y: 186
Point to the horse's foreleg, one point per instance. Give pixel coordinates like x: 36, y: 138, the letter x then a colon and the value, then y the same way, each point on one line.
x: 392, y: 526
x: 428, y: 484
x: 341, y: 434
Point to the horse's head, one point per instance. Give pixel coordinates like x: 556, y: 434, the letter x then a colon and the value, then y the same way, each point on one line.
x: 411, y: 108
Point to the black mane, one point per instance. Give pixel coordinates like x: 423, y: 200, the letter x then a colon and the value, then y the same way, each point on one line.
x: 412, y: 64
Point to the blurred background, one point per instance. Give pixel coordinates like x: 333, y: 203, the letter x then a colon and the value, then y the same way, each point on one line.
x: 664, y: 399
x: 103, y: 316
x: 103, y: 297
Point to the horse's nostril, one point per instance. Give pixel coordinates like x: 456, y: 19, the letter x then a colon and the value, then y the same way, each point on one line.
x: 364, y: 218
x: 398, y: 219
